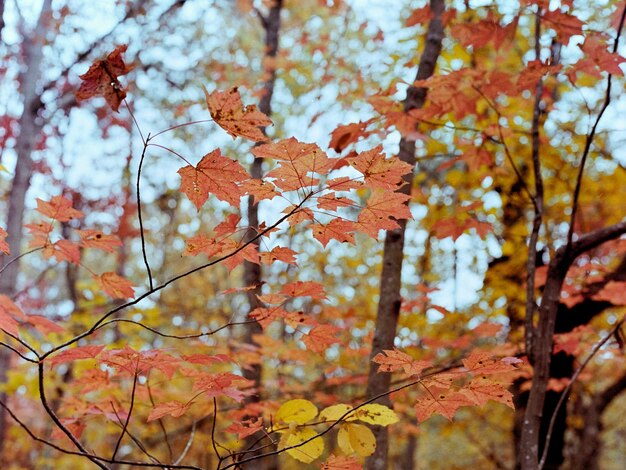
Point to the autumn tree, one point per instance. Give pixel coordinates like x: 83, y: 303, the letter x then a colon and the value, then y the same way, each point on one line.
x: 473, y: 138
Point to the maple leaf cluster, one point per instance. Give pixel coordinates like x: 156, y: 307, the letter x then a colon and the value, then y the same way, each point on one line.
x: 441, y: 395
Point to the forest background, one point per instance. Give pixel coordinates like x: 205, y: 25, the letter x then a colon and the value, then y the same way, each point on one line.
x: 293, y: 234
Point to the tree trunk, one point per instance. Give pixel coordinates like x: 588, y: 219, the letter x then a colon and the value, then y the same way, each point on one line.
x: 252, y: 271
x: 30, y: 125
x: 390, y: 280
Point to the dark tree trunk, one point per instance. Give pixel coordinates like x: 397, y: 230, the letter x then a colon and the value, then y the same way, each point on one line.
x: 252, y: 271
x: 390, y: 280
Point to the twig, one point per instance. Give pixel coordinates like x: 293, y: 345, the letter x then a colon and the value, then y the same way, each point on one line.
x: 21, y: 255
x: 188, y: 445
x: 590, y: 136
x: 158, y: 288
x: 217, y: 453
x: 130, y: 412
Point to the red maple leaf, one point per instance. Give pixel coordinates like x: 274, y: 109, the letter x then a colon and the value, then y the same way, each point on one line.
x: 234, y: 253
x: 81, y: 352
x: 345, y: 135
x: 438, y: 401
x: 115, y: 285
x: 298, y: 161
x: 260, y: 189
x: 228, y: 226
x: 378, y: 171
x: 214, y: 174
x: 245, y: 428
x: 379, y: 210
x: 8, y: 314
x: 58, y: 208
x: 320, y: 337
x: 278, y: 253
x: 173, y: 408
x: 481, y: 362
x: 62, y: 250
x: 614, y: 292
x: 97, y: 239
x: 331, y: 202
x: 311, y: 289
x: 391, y: 360
x: 336, y: 229
x: 480, y: 390
x: 228, y: 112
x: 265, y: 316
x: 102, y: 79
x: 564, y: 24
x: 43, y: 325
x: 341, y: 462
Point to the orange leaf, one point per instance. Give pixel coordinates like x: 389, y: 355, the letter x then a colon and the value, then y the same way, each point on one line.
x: 380, y: 172
x: 614, y: 292
x: 43, y: 325
x: 297, y: 160
x: 480, y: 362
x: 228, y: 226
x: 564, y: 24
x: 345, y: 135
x: 391, y: 360
x: 228, y: 112
x: 443, y: 402
x: 101, y: 79
x: 261, y: 190
x: 173, y: 408
x: 214, y: 174
x: 320, y: 337
x: 75, y: 426
x: 419, y: 16
x: 380, y: 207
x: 246, y: 427
x: 81, y: 352
x: 331, y: 202
x: 115, y: 285
x: 59, y: 209
x: 8, y: 323
x: 63, y: 250
x: 480, y: 390
x: 304, y: 289
x: 4, y: 246
x: 278, y: 253
x: 9, y: 312
x: 265, y: 316
x: 341, y: 463
x: 97, y: 239
x: 336, y: 229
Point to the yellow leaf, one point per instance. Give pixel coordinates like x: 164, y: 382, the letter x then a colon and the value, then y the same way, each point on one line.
x: 377, y: 414
x: 335, y: 412
x: 297, y: 411
x: 3, y: 169
x: 356, y: 438
x: 307, y: 452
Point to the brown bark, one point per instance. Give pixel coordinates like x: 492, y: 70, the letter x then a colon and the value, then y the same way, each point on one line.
x: 390, y: 280
x: 30, y: 125
x: 542, y: 348
x: 252, y: 271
